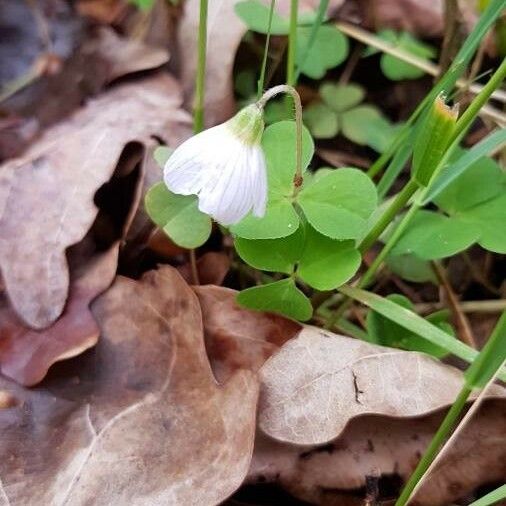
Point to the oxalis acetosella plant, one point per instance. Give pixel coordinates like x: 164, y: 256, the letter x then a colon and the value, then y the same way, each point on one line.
x: 283, y: 218
x: 307, y: 231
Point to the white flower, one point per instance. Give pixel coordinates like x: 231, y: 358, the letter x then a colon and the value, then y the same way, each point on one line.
x: 225, y: 167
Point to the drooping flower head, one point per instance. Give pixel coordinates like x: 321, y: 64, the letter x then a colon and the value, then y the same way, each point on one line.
x: 225, y: 167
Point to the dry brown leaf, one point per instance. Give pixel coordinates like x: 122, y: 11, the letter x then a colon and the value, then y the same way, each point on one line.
x: 126, y: 55
x: 102, y: 11
x: 420, y: 17
x: 335, y: 474
x: 46, y: 197
x: 138, y: 420
x: 222, y: 46
x: 26, y: 354
x: 237, y: 338
x: 319, y: 381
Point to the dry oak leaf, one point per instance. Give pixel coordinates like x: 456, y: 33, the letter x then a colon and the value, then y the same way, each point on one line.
x: 222, y: 45
x: 316, y: 383
x: 237, y: 338
x: 126, y: 55
x: 139, y: 419
x: 27, y: 354
x: 388, y: 448
x: 46, y: 197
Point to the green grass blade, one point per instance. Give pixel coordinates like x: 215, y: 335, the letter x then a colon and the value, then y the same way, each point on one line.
x: 451, y: 173
x: 320, y: 15
x: 491, y: 357
x: 492, y: 497
x: 395, y: 167
x: 414, y: 323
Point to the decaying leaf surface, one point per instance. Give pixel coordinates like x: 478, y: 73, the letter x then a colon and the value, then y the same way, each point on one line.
x: 237, y: 338
x: 46, y: 197
x: 388, y: 448
x: 319, y: 381
x: 139, y: 419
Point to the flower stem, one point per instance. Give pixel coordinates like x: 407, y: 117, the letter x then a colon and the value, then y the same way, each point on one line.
x: 261, y: 79
x: 290, y: 90
x: 292, y: 43
x: 439, y: 438
x: 198, y: 109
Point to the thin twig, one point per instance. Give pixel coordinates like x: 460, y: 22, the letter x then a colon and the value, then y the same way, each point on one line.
x: 351, y: 64
x: 463, y: 328
x: 194, y: 268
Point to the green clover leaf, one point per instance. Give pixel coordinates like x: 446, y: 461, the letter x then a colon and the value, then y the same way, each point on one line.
x: 475, y: 212
x: 280, y: 218
x: 341, y: 111
x: 339, y: 203
x: 178, y: 216
x: 329, y: 49
x: 280, y: 297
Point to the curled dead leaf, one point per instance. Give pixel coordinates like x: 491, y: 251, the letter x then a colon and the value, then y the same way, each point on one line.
x: 139, y: 419
x: 46, y: 197
x: 237, y: 338
x: 27, y: 354
x: 388, y: 449
x: 125, y: 55
x: 319, y: 381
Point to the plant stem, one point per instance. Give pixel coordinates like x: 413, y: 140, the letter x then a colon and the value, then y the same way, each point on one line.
x: 193, y: 267
x: 480, y: 100
x: 463, y: 328
x: 439, y: 438
x: 320, y: 14
x: 386, y: 218
x: 198, y: 110
x: 261, y: 80
x: 292, y: 43
x: 290, y: 90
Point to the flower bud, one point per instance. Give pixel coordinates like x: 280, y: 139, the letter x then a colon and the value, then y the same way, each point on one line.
x: 435, y: 135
